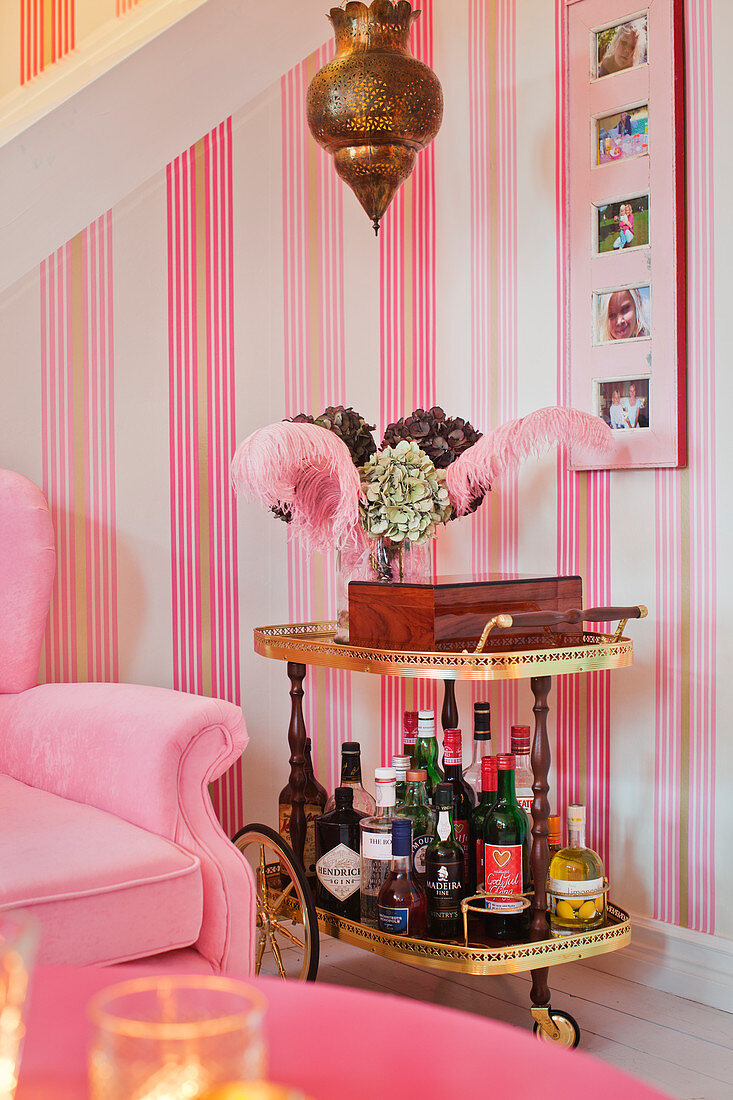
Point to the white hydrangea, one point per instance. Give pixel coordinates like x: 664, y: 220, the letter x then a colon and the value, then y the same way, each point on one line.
x: 405, y: 496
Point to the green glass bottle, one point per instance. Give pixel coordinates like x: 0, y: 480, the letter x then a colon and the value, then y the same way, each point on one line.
x: 444, y: 881
x: 426, y: 750
x: 417, y: 807
x: 506, y: 858
x: 487, y: 798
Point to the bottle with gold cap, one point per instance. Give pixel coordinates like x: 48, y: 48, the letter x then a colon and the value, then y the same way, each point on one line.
x: 577, y: 897
x: 417, y: 807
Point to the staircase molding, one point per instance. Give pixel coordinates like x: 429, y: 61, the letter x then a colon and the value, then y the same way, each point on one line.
x: 64, y: 163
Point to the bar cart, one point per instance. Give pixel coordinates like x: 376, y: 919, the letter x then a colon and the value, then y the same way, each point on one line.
x: 284, y: 898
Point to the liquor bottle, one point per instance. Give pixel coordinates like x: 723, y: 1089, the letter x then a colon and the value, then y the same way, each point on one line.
x: 417, y: 808
x: 402, y: 901
x: 426, y: 749
x: 444, y: 884
x: 401, y: 765
x: 481, y: 745
x: 338, y: 865
x: 554, y: 841
x: 577, y: 897
x: 523, y: 775
x: 315, y: 801
x: 351, y: 777
x: 478, y: 817
x: 463, y: 799
x: 376, y: 846
x: 506, y: 857
x: 409, y: 735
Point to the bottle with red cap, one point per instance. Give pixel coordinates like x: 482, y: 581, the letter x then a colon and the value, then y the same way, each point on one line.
x: 463, y: 798
x: 487, y: 798
x: 523, y: 774
x: 506, y: 858
x: 409, y: 735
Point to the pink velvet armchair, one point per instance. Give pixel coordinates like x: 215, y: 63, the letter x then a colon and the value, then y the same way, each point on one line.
x: 107, y: 832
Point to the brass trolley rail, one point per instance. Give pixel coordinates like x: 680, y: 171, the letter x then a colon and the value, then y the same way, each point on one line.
x: 536, y: 655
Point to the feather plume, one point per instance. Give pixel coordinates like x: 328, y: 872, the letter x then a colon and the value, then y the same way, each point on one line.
x: 507, y: 446
x: 307, y: 472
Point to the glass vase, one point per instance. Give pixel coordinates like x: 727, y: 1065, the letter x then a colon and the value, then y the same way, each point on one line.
x: 383, y: 561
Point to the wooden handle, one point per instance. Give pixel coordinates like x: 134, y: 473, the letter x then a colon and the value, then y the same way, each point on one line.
x: 575, y: 615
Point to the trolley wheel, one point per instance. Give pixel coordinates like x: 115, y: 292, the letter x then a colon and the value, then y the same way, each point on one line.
x: 563, y: 1030
x: 284, y: 901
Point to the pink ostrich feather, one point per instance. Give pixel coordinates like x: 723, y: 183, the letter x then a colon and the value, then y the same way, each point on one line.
x: 306, y: 471
x: 507, y: 446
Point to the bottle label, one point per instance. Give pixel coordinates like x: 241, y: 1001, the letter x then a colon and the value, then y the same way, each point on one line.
x: 450, y: 756
x: 312, y: 811
x: 503, y: 875
x: 339, y: 872
x: 443, y: 828
x: 444, y: 887
x: 480, y: 862
x: 394, y: 920
x: 385, y: 794
x: 525, y: 801
x: 350, y: 770
x: 585, y: 888
x: 419, y: 848
x: 460, y: 828
x: 408, y: 741
x: 376, y: 845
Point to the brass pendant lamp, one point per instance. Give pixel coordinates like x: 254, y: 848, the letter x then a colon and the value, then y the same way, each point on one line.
x: 374, y: 106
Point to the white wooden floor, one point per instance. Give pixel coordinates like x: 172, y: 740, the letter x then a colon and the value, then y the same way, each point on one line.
x: 684, y: 1048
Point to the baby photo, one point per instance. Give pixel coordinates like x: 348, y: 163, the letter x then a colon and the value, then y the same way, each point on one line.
x: 623, y: 135
x: 622, y: 314
x: 623, y: 224
x: 623, y: 46
x: 624, y: 403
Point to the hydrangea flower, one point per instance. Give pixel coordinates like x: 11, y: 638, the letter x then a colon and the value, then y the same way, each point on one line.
x: 404, y: 495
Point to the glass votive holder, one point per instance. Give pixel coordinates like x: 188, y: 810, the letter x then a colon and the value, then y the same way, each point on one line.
x: 18, y: 936
x: 175, y: 1038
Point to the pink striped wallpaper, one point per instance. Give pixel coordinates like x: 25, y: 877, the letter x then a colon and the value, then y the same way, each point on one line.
x: 47, y: 33
x: 333, y: 338
x: 78, y: 454
x: 203, y: 532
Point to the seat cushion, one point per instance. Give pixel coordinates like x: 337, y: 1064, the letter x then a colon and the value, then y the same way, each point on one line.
x: 103, y: 890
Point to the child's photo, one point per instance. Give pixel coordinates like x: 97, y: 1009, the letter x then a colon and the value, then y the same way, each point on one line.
x: 622, y: 314
x: 623, y: 46
x: 624, y: 403
x: 623, y: 224
x: 623, y: 135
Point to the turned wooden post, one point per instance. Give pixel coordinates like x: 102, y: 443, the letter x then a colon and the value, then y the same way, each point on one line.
x: 296, y: 740
x: 539, y: 858
x: 449, y: 713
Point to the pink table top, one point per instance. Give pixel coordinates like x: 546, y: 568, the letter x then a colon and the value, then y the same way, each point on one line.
x: 332, y: 1043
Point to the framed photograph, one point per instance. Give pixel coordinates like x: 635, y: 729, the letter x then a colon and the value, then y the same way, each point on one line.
x: 623, y: 229
x: 622, y: 135
x: 624, y: 403
x: 621, y: 46
x: 622, y: 225
x: 622, y: 313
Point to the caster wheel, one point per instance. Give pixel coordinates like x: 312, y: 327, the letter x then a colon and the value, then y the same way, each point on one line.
x: 287, y: 924
x: 564, y: 1033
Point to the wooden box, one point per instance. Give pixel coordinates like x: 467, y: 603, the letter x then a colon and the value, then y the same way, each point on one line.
x: 451, y: 613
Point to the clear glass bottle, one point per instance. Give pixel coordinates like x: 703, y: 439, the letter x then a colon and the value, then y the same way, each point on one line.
x: 402, y: 901
x: 409, y: 735
x: 487, y: 798
x: 351, y: 777
x: 338, y: 865
x: 463, y: 798
x: 481, y: 745
x: 401, y: 765
x: 426, y: 749
x: 506, y: 858
x: 444, y: 883
x: 376, y: 846
x: 523, y: 774
x: 577, y: 898
x: 417, y: 808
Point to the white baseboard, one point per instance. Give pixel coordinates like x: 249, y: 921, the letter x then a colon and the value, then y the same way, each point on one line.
x: 675, y: 960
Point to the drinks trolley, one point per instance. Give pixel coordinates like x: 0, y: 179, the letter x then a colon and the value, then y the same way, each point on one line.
x: 284, y: 899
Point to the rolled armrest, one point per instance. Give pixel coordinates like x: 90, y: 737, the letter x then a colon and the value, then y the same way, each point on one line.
x: 124, y: 748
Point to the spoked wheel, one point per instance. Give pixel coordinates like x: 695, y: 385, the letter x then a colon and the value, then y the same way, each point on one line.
x: 561, y: 1029
x: 287, y: 924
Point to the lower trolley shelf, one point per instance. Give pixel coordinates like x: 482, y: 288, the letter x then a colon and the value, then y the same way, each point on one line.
x: 479, y: 958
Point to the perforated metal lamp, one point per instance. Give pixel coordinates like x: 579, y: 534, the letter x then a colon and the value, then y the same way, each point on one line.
x: 374, y: 106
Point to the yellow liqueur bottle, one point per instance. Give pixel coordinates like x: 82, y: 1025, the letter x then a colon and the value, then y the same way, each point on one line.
x: 577, y: 897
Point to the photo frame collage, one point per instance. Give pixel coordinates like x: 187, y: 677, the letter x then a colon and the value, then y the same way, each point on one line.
x: 621, y: 312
